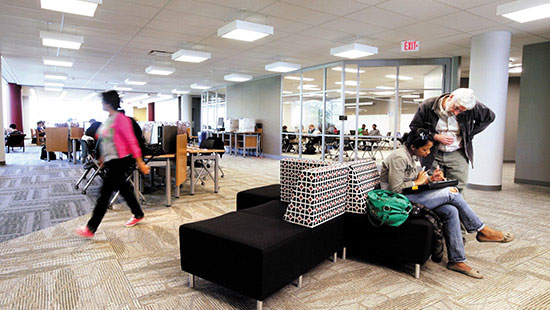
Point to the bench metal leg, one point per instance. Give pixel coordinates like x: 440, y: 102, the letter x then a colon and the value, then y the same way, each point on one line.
x: 417, y: 271
x: 191, y: 281
x: 259, y: 305
x: 299, y: 282
x: 334, y: 257
x: 344, y: 253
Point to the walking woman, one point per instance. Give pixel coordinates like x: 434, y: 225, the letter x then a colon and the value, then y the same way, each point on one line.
x: 119, y: 150
x: 399, y: 171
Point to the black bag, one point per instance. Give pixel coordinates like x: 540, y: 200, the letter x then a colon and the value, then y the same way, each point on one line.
x: 44, y: 156
x: 421, y: 211
x: 310, y: 149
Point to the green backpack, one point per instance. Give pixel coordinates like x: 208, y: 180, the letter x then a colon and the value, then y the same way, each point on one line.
x: 387, y: 208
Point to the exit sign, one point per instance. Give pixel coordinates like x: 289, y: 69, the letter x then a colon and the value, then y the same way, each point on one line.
x: 410, y: 46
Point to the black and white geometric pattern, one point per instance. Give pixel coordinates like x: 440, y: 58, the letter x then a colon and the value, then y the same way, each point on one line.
x: 319, y: 196
x: 363, y: 177
x: 291, y: 169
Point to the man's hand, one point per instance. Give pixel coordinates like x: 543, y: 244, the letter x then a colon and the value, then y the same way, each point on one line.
x: 444, y: 139
x: 437, y: 176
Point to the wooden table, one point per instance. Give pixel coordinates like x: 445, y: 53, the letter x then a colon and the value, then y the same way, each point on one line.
x: 203, y: 154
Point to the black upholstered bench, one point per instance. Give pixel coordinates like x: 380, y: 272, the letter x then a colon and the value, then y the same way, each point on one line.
x: 251, y: 254
x: 257, y: 196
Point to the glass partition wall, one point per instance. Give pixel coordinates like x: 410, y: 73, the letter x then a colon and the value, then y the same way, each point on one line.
x: 351, y: 110
x: 213, y: 108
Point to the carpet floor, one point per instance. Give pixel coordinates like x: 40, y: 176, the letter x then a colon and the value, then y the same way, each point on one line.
x: 139, y: 267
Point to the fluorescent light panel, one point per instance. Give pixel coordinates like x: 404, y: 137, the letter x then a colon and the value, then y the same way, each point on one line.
x: 297, y: 78
x: 282, y: 67
x: 52, y: 84
x: 353, y: 51
x: 401, y: 77
x: 132, y: 82
x: 58, y: 61
x: 121, y: 88
x: 244, y: 31
x: 410, y: 96
x: 180, y: 92
x: 79, y: 7
x: 384, y: 87
x: 90, y: 96
x: 347, y: 83
x: 523, y: 11
x: 55, y: 76
x: 190, y: 56
x: 349, y: 70
x: 53, y: 88
x: 200, y: 86
x: 159, y: 70
x: 61, y: 40
x: 236, y: 77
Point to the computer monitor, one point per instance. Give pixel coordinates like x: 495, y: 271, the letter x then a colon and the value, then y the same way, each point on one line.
x: 167, y: 136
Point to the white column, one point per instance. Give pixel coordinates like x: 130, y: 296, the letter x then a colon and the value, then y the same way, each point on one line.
x: 2, y: 144
x: 489, y: 56
x: 186, y: 108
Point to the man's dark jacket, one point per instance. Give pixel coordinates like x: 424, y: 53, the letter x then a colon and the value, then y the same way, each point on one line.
x: 471, y: 122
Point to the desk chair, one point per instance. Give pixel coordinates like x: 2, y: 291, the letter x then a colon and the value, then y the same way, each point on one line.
x: 15, y: 139
x: 214, y: 143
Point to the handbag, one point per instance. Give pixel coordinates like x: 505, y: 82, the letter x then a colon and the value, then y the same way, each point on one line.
x: 387, y: 208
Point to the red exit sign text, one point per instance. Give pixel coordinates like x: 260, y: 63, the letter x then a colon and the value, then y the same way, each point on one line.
x: 410, y: 46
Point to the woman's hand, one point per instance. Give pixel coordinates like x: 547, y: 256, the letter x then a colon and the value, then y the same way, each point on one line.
x: 422, y: 178
x: 142, y: 166
x: 437, y: 176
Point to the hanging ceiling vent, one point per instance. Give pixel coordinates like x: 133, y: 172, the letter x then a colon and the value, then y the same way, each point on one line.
x: 160, y: 53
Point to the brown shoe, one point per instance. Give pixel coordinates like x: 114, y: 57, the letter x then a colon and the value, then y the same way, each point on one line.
x: 470, y: 273
x: 506, y: 237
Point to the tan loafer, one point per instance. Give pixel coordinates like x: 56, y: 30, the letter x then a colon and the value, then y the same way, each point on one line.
x: 470, y: 273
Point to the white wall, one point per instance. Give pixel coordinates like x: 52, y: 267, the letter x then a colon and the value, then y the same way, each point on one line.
x: 59, y: 111
x: 3, y: 102
x: 166, y: 111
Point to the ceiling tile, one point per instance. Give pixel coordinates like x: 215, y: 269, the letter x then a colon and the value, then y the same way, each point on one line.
x: 382, y: 18
x: 466, y: 4
x: 353, y: 26
x: 297, y: 14
x: 463, y: 21
x: 204, y: 9
x: 489, y: 11
x: 278, y: 23
x: 421, y: 9
x: 249, y: 5
x: 339, y: 8
x: 427, y: 31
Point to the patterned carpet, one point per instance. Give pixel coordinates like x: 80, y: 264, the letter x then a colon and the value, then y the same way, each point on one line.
x: 139, y: 268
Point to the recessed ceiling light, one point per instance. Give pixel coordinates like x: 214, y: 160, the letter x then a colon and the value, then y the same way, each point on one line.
x: 383, y: 93
x: 523, y: 11
x: 159, y: 70
x: 515, y: 69
x: 55, y: 76
x: 297, y: 78
x: 410, y: 96
x: 52, y: 84
x: 309, y: 87
x: 418, y: 100
x: 121, y: 88
x: 244, y: 31
x: 53, y: 88
x: 190, y: 56
x: 287, y: 92
x: 354, y: 50
x: 161, y: 95
x: 200, y: 86
x: 79, y: 7
x: 282, y: 67
x: 236, y: 77
x: 350, y: 70
x: 384, y: 87
x: 401, y: 77
x: 58, y: 61
x: 180, y: 92
x: 90, y: 96
x: 61, y: 40
x: 132, y: 82
x: 347, y: 83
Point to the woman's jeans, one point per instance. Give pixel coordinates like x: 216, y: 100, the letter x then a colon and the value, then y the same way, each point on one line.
x: 452, y: 209
x: 115, y: 180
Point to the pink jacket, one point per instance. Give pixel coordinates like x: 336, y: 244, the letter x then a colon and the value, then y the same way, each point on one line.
x: 124, y: 137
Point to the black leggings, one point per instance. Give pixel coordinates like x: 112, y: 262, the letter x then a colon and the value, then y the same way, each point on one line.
x: 115, y: 180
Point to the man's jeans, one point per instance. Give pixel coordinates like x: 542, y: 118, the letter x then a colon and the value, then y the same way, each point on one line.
x: 452, y: 209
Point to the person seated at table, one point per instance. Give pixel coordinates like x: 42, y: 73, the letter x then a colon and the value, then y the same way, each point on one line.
x: 374, y: 131
x: 311, y: 129
x: 89, y: 138
x: 399, y: 171
x: 11, y: 129
x: 363, y: 131
x: 40, y: 128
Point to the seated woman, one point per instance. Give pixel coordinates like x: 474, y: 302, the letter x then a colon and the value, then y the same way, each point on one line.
x: 399, y: 171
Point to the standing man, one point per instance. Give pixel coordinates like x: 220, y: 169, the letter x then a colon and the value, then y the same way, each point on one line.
x: 454, y: 119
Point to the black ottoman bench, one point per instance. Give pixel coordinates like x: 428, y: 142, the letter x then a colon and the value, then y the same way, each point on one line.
x: 257, y: 196
x: 250, y: 254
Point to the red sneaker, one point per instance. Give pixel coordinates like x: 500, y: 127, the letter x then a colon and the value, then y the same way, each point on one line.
x: 84, y: 232
x: 133, y: 221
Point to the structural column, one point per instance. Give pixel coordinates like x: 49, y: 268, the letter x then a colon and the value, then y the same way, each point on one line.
x: 16, y: 109
x: 489, y: 56
x: 186, y: 108
x: 2, y: 143
x: 151, y: 112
